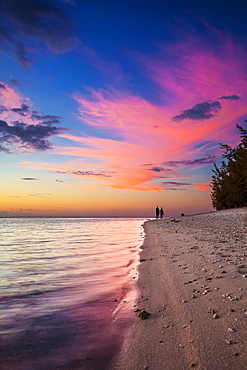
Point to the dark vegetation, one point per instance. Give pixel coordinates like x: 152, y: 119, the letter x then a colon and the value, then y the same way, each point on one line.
x: 229, y: 181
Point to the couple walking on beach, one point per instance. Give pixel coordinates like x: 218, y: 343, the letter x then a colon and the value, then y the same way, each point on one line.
x: 159, y: 212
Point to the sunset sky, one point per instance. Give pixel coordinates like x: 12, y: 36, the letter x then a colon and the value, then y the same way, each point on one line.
x: 110, y: 108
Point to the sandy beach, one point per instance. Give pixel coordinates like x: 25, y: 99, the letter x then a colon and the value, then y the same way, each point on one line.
x: 193, y: 282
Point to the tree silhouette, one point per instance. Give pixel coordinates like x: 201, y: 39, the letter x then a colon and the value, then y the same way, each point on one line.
x: 229, y: 181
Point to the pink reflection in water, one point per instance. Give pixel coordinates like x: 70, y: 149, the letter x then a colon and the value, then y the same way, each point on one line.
x: 67, y: 290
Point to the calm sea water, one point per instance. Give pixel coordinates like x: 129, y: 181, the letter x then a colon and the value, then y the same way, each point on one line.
x: 67, y: 290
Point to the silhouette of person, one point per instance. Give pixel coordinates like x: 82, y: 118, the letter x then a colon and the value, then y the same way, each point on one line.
x: 157, y: 212
x: 161, y: 212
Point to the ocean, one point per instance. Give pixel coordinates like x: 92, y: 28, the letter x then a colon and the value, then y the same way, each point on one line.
x: 68, y: 289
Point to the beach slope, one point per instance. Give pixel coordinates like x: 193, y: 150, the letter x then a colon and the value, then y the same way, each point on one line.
x: 193, y: 282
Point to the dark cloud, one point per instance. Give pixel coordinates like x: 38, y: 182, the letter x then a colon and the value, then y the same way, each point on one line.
x: 175, y: 189
x: 230, y: 97
x: 22, y: 111
x: 45, y: 118
x: 156, y: 169
x: 14, y: 82
x: 174, y: 183
x: 2, y: 109
x: 26, y: 24
x: 26, y: 136
x: 17, y: 132
x: 4, y: 149
x: 84, y: 173
x: 195, y: 162
x: 29, y: 178
x: 199, y: 112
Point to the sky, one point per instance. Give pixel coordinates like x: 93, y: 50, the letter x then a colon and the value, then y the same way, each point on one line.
x: 111, y: 108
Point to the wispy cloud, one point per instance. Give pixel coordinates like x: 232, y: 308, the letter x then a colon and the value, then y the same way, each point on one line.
x: 192, y: 162
x: 14, y: 82
x: 173, y: 185
x: 29, y: 178
x: 40, y: 195
x: 202, y: 187
x: 156, y: 169
x: 83, y: 173
x: 46, y: 119
x: 36, y: 195
x: 2, y: 86
x: 28, y: 25
x: 22, y: 111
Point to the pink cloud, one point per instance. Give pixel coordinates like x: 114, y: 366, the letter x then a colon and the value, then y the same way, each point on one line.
x: 9, y: 99
x: 195, y: 77
x: 203, y: 187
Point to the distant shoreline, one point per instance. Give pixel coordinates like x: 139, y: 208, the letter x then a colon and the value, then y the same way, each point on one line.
x: 141, y: 217
x: 75, y: 217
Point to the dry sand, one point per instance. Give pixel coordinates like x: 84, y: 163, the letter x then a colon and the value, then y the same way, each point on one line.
x: 193, y: 282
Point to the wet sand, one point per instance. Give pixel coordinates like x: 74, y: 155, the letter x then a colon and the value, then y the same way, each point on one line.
x: 193, y: 282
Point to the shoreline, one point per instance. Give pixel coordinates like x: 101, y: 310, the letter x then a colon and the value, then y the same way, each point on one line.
x: 193, y: 282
